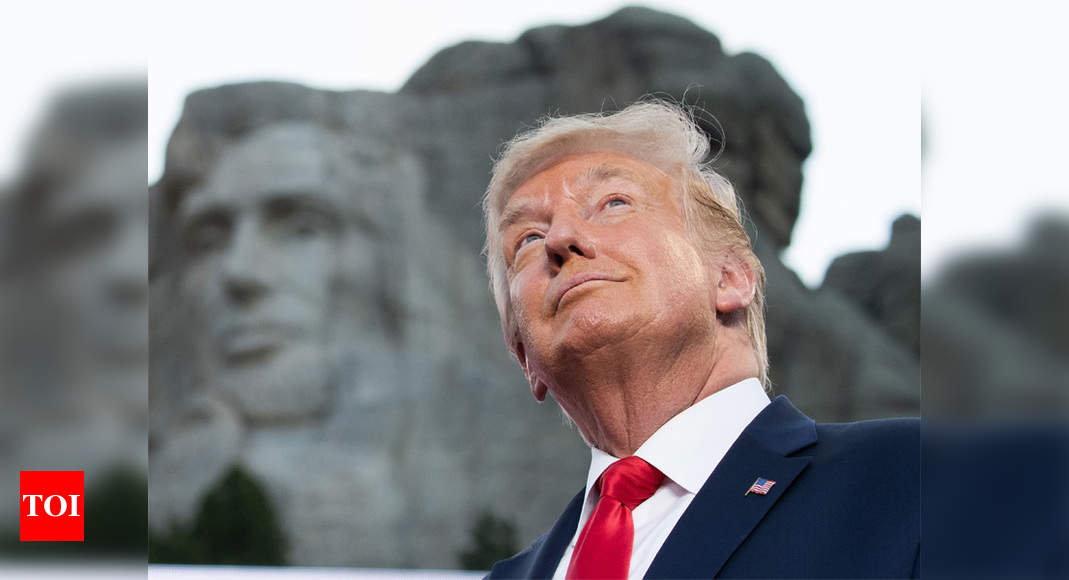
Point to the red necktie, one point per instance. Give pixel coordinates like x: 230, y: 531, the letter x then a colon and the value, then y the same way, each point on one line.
x: 604, y: 546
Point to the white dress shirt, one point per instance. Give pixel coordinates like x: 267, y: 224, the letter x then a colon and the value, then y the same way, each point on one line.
x: 686, y: 449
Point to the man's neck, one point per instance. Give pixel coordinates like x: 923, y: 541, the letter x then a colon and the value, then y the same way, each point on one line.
x: 619, y: 399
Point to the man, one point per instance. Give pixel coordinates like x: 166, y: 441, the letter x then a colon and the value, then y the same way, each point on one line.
x: 628, y: 290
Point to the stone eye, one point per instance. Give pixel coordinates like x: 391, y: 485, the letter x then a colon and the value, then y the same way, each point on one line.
x: 208, y: 233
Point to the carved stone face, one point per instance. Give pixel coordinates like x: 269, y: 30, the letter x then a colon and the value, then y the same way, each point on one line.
x: 265, y: 249
x: 94, y: 232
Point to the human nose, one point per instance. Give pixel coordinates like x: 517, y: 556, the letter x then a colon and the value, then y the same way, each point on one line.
x: 569, y: 237
x: 243, y: 273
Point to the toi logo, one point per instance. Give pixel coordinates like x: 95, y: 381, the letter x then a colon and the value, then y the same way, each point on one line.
x: 51, y: 504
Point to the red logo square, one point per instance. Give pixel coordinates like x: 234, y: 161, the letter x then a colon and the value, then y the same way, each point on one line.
x: 51, y: 506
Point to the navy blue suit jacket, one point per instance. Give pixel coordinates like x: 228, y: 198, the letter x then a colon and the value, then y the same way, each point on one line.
x: 846, y: 504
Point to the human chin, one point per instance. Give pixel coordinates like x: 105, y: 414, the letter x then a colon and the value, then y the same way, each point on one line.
x: 592, y: 322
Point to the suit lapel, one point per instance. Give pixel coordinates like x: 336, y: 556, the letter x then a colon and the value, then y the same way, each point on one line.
x: 547, y: 556
x: 721, y: 516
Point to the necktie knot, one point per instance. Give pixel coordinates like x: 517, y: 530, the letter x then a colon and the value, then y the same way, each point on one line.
x: 630, y: 481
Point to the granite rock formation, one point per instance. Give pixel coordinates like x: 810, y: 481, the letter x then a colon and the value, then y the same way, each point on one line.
x: 886, y: 283
x: 424, y: 421
x: 995, y: 335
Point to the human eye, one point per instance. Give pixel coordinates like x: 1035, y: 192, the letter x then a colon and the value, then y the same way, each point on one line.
x: 616, y: 200
x: 528, y: 238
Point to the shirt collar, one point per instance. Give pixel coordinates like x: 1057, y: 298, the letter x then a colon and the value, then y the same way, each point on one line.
x: 690, y: 445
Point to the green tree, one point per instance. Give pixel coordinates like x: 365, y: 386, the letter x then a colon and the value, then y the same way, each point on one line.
x: 235, y: 524
x: 115, y: 519
x: 118, y: 521
x: 492, y: 539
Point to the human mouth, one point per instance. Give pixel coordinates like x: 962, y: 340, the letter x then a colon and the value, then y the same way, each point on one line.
x: 577, y: 281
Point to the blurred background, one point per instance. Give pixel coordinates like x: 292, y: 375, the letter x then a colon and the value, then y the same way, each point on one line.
x: 326, y: 380
x: 995, y: 315
x: 73, y: 276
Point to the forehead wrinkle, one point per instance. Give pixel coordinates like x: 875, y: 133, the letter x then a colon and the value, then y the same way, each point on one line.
x: 591, y: 177
x: 607, y: 170
x: 514, y: 213
x: 599, y: 173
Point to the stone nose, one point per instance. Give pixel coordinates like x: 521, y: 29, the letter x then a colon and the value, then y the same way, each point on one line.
x: 243, y: 267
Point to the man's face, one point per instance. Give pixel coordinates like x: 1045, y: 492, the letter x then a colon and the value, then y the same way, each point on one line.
x: 259, y: 243
x: 597, y: 255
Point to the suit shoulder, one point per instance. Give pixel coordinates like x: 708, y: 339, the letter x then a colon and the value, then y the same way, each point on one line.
x: 873, y: 435
x: 870, y: 463
x: 518, y: 566
x: 887, y: 449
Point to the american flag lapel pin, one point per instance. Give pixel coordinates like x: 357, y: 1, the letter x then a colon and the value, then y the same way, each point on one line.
x: 761, y: 486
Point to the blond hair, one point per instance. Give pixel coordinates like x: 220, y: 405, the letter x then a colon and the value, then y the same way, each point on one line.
x: 657, y: 132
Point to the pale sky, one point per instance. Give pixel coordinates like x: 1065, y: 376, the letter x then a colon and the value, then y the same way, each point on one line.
x: 859, y: 69
x: 49, y: 44
x: 996, y: 100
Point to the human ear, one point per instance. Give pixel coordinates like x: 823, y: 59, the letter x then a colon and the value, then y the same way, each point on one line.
x: 538, y: 388
x: 737, y: 285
